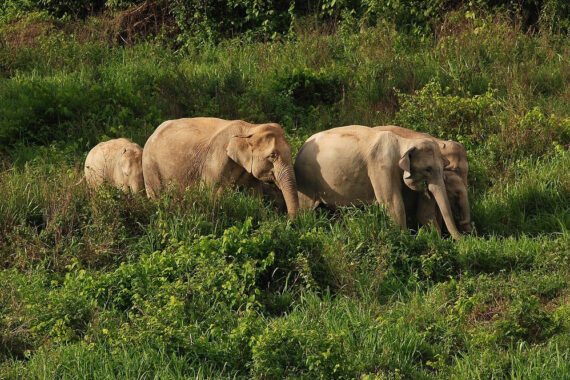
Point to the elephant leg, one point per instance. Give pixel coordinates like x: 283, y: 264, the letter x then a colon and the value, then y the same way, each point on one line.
x: 151, y: 183
x: 388, y: 191
x: 254, y: 186
x: 306, y: 202
x: 426, y: 212
x: 271, y: 193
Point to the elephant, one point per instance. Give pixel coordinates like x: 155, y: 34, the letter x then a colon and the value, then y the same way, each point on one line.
x: 352, y: 164
x: 453, y: 151
x: 118, y: 162
x: 455, y: 177
x: 425, y: 209
x: 219, y: 152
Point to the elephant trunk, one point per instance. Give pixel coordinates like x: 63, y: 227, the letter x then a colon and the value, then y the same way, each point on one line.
x: 463, y: 202
x: 285, y: 178
x: 440, y: 195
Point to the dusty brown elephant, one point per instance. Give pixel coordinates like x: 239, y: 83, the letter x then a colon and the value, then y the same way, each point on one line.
x: 118, y: 162
x: 353, y: 164
x: 220, y: 152
x: 455, y: 177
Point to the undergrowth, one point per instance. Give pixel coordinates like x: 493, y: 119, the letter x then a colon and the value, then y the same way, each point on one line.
x: 103, y: 284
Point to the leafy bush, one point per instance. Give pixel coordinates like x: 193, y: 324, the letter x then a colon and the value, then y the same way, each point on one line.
x: 287, y: 350
x: 525, y: 320
x: 213, y: 20
x: 467, y: 119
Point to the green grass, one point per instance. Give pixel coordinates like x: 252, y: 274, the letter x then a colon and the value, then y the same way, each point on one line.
x: 101, y: 284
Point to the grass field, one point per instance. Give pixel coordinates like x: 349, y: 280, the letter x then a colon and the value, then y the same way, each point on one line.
x: 111, y: 285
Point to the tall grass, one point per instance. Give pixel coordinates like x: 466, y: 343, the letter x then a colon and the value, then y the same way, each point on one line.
x: 103, y: 284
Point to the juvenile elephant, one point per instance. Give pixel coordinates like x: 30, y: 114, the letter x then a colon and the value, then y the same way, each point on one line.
x: 221, y: 152
x: 118, y: 162
x: 455, y: 177
x: 425, y: 209
x: 347, y: 165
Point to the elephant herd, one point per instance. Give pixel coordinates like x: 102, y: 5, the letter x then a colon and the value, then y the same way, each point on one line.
x: 411, y: 173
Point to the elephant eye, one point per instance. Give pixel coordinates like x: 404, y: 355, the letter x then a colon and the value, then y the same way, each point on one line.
x: 272, y: 156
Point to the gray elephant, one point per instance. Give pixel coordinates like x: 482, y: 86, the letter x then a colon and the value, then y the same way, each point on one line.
x: 118, y: 162
x: 353, y: 164
x: 220, y: 152
x: 455, y: 178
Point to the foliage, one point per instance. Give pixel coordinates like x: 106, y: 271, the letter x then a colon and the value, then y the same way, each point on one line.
x: 213, y: 20
x: 113, y: 285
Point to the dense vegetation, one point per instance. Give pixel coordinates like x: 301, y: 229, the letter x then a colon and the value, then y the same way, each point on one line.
x: 105, y: 284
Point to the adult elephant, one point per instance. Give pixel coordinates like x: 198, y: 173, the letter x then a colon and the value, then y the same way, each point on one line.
x: 353, y: 164
x: 221, y: 152
x: 455, y: 178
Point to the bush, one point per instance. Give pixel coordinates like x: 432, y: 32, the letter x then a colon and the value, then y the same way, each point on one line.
x: 213, y: 20
x: 470, y: 120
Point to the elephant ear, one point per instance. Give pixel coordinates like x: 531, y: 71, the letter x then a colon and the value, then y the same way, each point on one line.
x: 240, y: 150
x: 404, y: 162
x: 124, y: 162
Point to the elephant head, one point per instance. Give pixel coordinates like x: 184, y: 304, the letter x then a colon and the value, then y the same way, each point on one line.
x: 265, y: 154
x: 457, y: 157
x: 130, y: 164
x: 423, y: 165
x: 458, y: 197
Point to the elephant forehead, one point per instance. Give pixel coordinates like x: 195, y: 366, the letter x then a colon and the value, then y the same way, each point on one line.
x: 132, y: 155
x: 424, y: 155
x: 452, y: 178
x: 268, y: 140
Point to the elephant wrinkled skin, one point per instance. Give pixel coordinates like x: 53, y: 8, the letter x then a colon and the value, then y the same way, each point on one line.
x: 221, y: 152
x: 455, y: 177
x: 353, y: 164
x: 118, y: 162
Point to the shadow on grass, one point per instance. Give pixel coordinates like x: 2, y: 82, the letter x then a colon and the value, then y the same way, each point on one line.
x: 537, y: 202
x: 530, y: 211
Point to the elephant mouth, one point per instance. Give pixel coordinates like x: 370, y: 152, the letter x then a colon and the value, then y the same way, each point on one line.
x: 419, y: 185
x: 269, y: 178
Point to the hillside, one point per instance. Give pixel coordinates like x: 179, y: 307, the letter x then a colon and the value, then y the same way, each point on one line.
x: 112, y: 285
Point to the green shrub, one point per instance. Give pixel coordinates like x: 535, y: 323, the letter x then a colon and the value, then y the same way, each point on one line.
x: 49, y: 220
x: 467, y: 119
x: 286, y: 350
x: 338, y: 337
x: 20, y: 291
x: 213, y: 20
x: 525, y: 320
